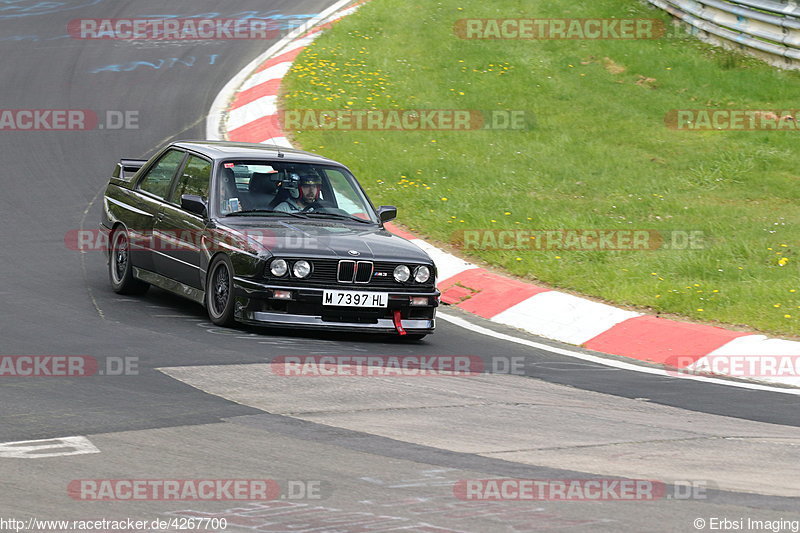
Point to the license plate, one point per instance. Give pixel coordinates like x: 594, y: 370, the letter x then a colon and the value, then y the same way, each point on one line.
x: 355, y: 299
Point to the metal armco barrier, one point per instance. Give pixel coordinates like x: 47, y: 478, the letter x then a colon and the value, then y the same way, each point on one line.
x: 768, y: 29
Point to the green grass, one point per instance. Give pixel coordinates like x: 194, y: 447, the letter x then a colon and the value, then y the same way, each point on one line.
x: 598, y: 154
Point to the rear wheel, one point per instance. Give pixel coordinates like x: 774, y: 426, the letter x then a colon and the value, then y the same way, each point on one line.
x: 120, y: 270
x: 219, y: 291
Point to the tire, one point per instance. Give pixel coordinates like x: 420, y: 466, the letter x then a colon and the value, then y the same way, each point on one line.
x: 219, y: 292
x: 414, y: 336
x: 120, y: 271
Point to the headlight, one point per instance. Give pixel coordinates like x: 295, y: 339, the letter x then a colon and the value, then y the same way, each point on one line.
x: 401, y: 273
x: 422, y: 274
x: 279, y: 268
x: 301, y: 269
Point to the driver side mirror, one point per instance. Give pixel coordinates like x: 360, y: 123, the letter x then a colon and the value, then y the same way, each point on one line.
x: 193, y: 204
x: 387, y: 213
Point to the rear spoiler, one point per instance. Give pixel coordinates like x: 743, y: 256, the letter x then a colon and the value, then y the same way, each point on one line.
x: 125, y: 170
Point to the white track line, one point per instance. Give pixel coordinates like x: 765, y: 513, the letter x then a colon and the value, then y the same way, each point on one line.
x: 609, y: 362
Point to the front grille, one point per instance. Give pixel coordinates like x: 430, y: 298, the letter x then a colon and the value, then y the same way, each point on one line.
x: 354, y: 271
x: 347, y: 271
x: 329, y: 273
x: 364, y: 271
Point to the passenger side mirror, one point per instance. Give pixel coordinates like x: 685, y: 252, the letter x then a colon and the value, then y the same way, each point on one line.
x: 387, y: 213
x: 193, y: 204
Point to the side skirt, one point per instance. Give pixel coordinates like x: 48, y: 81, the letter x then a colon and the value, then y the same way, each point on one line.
x: 196, y: 295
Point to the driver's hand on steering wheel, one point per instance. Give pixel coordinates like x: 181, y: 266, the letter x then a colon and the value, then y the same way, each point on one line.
x: 313, y: 206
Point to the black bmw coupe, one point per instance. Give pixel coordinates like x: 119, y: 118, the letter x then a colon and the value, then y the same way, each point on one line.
x: 265, y: 235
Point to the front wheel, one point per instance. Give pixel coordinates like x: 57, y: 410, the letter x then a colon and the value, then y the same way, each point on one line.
x: 120, y: 270
x: 219, y: 291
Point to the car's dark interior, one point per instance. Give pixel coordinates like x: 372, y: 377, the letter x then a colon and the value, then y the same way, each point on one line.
x: 264, y: 190
x: 227, y: 189
x: 261, y: 190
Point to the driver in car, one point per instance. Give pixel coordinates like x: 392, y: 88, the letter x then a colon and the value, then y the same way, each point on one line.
x: 308, y: 189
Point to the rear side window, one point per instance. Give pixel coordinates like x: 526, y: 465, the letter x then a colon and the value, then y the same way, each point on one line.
x: 160, y: 176
x: 194, y: 180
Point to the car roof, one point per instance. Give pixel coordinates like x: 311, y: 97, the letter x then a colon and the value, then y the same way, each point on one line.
x: 242, y: 150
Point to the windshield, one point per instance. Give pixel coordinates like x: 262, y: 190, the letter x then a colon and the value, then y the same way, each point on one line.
x: 277, y: 188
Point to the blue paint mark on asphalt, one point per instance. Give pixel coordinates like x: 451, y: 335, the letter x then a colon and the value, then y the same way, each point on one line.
x: 158, y: 64
x: 29, y: 8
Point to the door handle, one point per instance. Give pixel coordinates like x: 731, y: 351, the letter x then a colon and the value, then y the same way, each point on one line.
x: 160, y: 216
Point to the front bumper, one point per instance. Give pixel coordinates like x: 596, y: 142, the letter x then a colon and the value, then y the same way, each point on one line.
x: 255, y: 304
x: 383, y: 325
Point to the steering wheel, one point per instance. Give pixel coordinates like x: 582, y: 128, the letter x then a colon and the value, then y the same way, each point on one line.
x: 317, y: 206
x: 314, y: 206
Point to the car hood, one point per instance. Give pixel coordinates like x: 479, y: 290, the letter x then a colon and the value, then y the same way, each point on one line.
x: 328, y: 240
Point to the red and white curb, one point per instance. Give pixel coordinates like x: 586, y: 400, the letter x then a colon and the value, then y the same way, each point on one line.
x: 246, y: 110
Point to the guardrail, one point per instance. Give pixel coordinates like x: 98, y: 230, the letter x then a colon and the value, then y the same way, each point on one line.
x: 768, y: 29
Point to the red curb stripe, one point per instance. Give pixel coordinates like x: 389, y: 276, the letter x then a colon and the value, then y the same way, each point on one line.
x: 320, y: 28
x: 286, y: 56
x: 257, y: 131
x: 456, y: 294
x: 477, y: 290
x: 268, y: 88
x: 399, y: 232
x: 484, y: 293
x: 649, y: 338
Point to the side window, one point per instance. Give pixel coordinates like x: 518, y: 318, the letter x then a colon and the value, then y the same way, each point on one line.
x: 160, y: 176
x: 194, y: 180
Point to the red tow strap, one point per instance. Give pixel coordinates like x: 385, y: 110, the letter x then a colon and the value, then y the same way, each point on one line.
x: 398, y: 323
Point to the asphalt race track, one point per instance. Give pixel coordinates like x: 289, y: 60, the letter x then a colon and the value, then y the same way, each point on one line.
x: 382, y: 454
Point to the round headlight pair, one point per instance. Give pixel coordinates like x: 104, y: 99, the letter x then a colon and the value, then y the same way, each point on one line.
x: 279, y: 267
x: 421, y: 274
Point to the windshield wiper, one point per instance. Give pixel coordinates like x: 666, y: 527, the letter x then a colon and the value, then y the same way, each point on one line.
x: 235, y: 213
x: 339, y: 215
